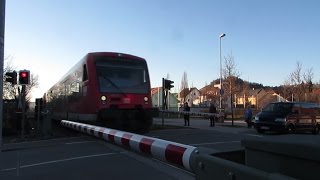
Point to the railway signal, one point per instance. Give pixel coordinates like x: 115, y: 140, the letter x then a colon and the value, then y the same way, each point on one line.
x: 24, y: 77
x: 11, y: 77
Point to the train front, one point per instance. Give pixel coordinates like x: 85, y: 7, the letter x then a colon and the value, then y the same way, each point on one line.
x: 124, y: 88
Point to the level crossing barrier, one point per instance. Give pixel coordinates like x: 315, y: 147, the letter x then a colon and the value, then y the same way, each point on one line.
x: 200, y: 161
x: 174, y: 153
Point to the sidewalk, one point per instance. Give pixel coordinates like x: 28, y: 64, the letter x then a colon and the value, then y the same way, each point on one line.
x: 238, y: 125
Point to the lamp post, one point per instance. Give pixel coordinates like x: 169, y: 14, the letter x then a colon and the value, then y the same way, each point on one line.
x: 220, y: 104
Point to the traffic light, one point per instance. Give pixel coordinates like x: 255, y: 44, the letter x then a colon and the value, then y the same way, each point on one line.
x: 168, y: 84
x: 24, y: 77
x: 11, y: 77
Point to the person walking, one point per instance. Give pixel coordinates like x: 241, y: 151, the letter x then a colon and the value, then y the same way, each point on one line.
x: 212, y: 109
x: 186, y: 108
x: 248, y: 116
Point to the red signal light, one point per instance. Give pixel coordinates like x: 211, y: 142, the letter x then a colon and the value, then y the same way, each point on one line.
x: 24, y: 77
x: 23, y: 74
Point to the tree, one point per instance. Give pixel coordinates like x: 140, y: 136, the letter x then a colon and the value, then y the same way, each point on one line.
x: 184, y: 85
x: 299, y: 84
x: 287, y: 89
x: 296, y: 81
x: 231, y: 75
x: 308, y: 78
x: 9, y: 91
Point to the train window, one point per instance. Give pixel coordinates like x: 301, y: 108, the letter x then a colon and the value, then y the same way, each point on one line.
x: 85, y: 74
x: 117, y: 77
x: 75, y: 87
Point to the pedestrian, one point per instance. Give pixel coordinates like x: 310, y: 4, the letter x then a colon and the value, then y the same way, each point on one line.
x: 186, y: 108
x: 212, y: 109
x: 248, y: 116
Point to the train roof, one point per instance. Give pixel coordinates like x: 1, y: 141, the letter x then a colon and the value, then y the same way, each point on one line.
x: 114, y: 54
x: 110, y: 54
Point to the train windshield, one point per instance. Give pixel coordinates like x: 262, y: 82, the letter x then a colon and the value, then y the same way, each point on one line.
x: 117, y: 77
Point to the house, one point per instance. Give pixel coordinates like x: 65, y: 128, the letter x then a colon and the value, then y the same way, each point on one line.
x: 192, y: 96
x: 248, y: 97
x: 258, y: 98
x: 209, y: 93
x: 156, y: 95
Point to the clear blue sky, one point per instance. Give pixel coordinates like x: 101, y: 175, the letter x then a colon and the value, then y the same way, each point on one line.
x: 266, y: 37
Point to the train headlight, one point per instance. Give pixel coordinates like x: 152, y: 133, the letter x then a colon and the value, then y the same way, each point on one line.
x: 146, y: 99
x: 104, y: 99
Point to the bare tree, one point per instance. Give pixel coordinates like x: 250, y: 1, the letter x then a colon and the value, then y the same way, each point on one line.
x: 184, y: 85
x: 308, y: 78
x: 9, y: 91
x: 230, y: 67
x: 287, y: 89
x: 296, y: 75
x: 296, y: 80
x: 168, y: 76
x: 231, y: 75
x: 34, y: 83
x: 299, y: 84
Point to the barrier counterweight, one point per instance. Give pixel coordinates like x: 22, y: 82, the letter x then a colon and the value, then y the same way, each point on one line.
x: 175, y: 153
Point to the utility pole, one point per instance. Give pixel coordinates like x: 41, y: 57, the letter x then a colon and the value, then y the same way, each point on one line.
x: 23, y: 120
x: 2, y: 24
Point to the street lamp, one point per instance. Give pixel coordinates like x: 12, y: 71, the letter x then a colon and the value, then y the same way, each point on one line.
x: 220, y: 37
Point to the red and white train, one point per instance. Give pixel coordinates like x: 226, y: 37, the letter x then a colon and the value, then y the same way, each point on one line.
x: 105, y: 88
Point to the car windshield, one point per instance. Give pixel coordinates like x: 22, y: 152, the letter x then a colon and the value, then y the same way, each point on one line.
x: 278, y: 107
x: 117, y: 78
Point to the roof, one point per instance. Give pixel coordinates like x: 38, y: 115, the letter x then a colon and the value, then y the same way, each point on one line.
x: 186, y: 91
x: 209, y: 88
x: 155, y: 90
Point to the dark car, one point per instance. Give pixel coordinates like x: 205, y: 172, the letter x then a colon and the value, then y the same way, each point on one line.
x: 289, y: 117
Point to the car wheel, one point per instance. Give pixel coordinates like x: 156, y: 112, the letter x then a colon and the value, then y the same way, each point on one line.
x: 316, y: 129
x: 291, y: 129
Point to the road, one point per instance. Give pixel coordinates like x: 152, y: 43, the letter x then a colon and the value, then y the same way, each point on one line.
x: 85, y: 157
x: 80, y: 158
x: 222, y: 137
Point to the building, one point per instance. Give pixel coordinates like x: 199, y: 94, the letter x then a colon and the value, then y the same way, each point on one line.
x: 156, y: 95
x: 209, y: 93
x: 192, y: 96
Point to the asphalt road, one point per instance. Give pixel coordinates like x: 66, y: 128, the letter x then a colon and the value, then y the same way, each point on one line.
x: 80, y: 158
x: 222, y: 137
x: 84, y: 157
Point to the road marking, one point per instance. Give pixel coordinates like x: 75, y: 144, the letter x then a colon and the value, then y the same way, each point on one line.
x: 48, y: 140
x: 61, y: 160
x: 79, y: 142
x: 255, y: 135
x: 212, y: 143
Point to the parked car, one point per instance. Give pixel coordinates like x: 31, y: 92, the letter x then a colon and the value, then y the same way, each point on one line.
x: 289, y: 117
